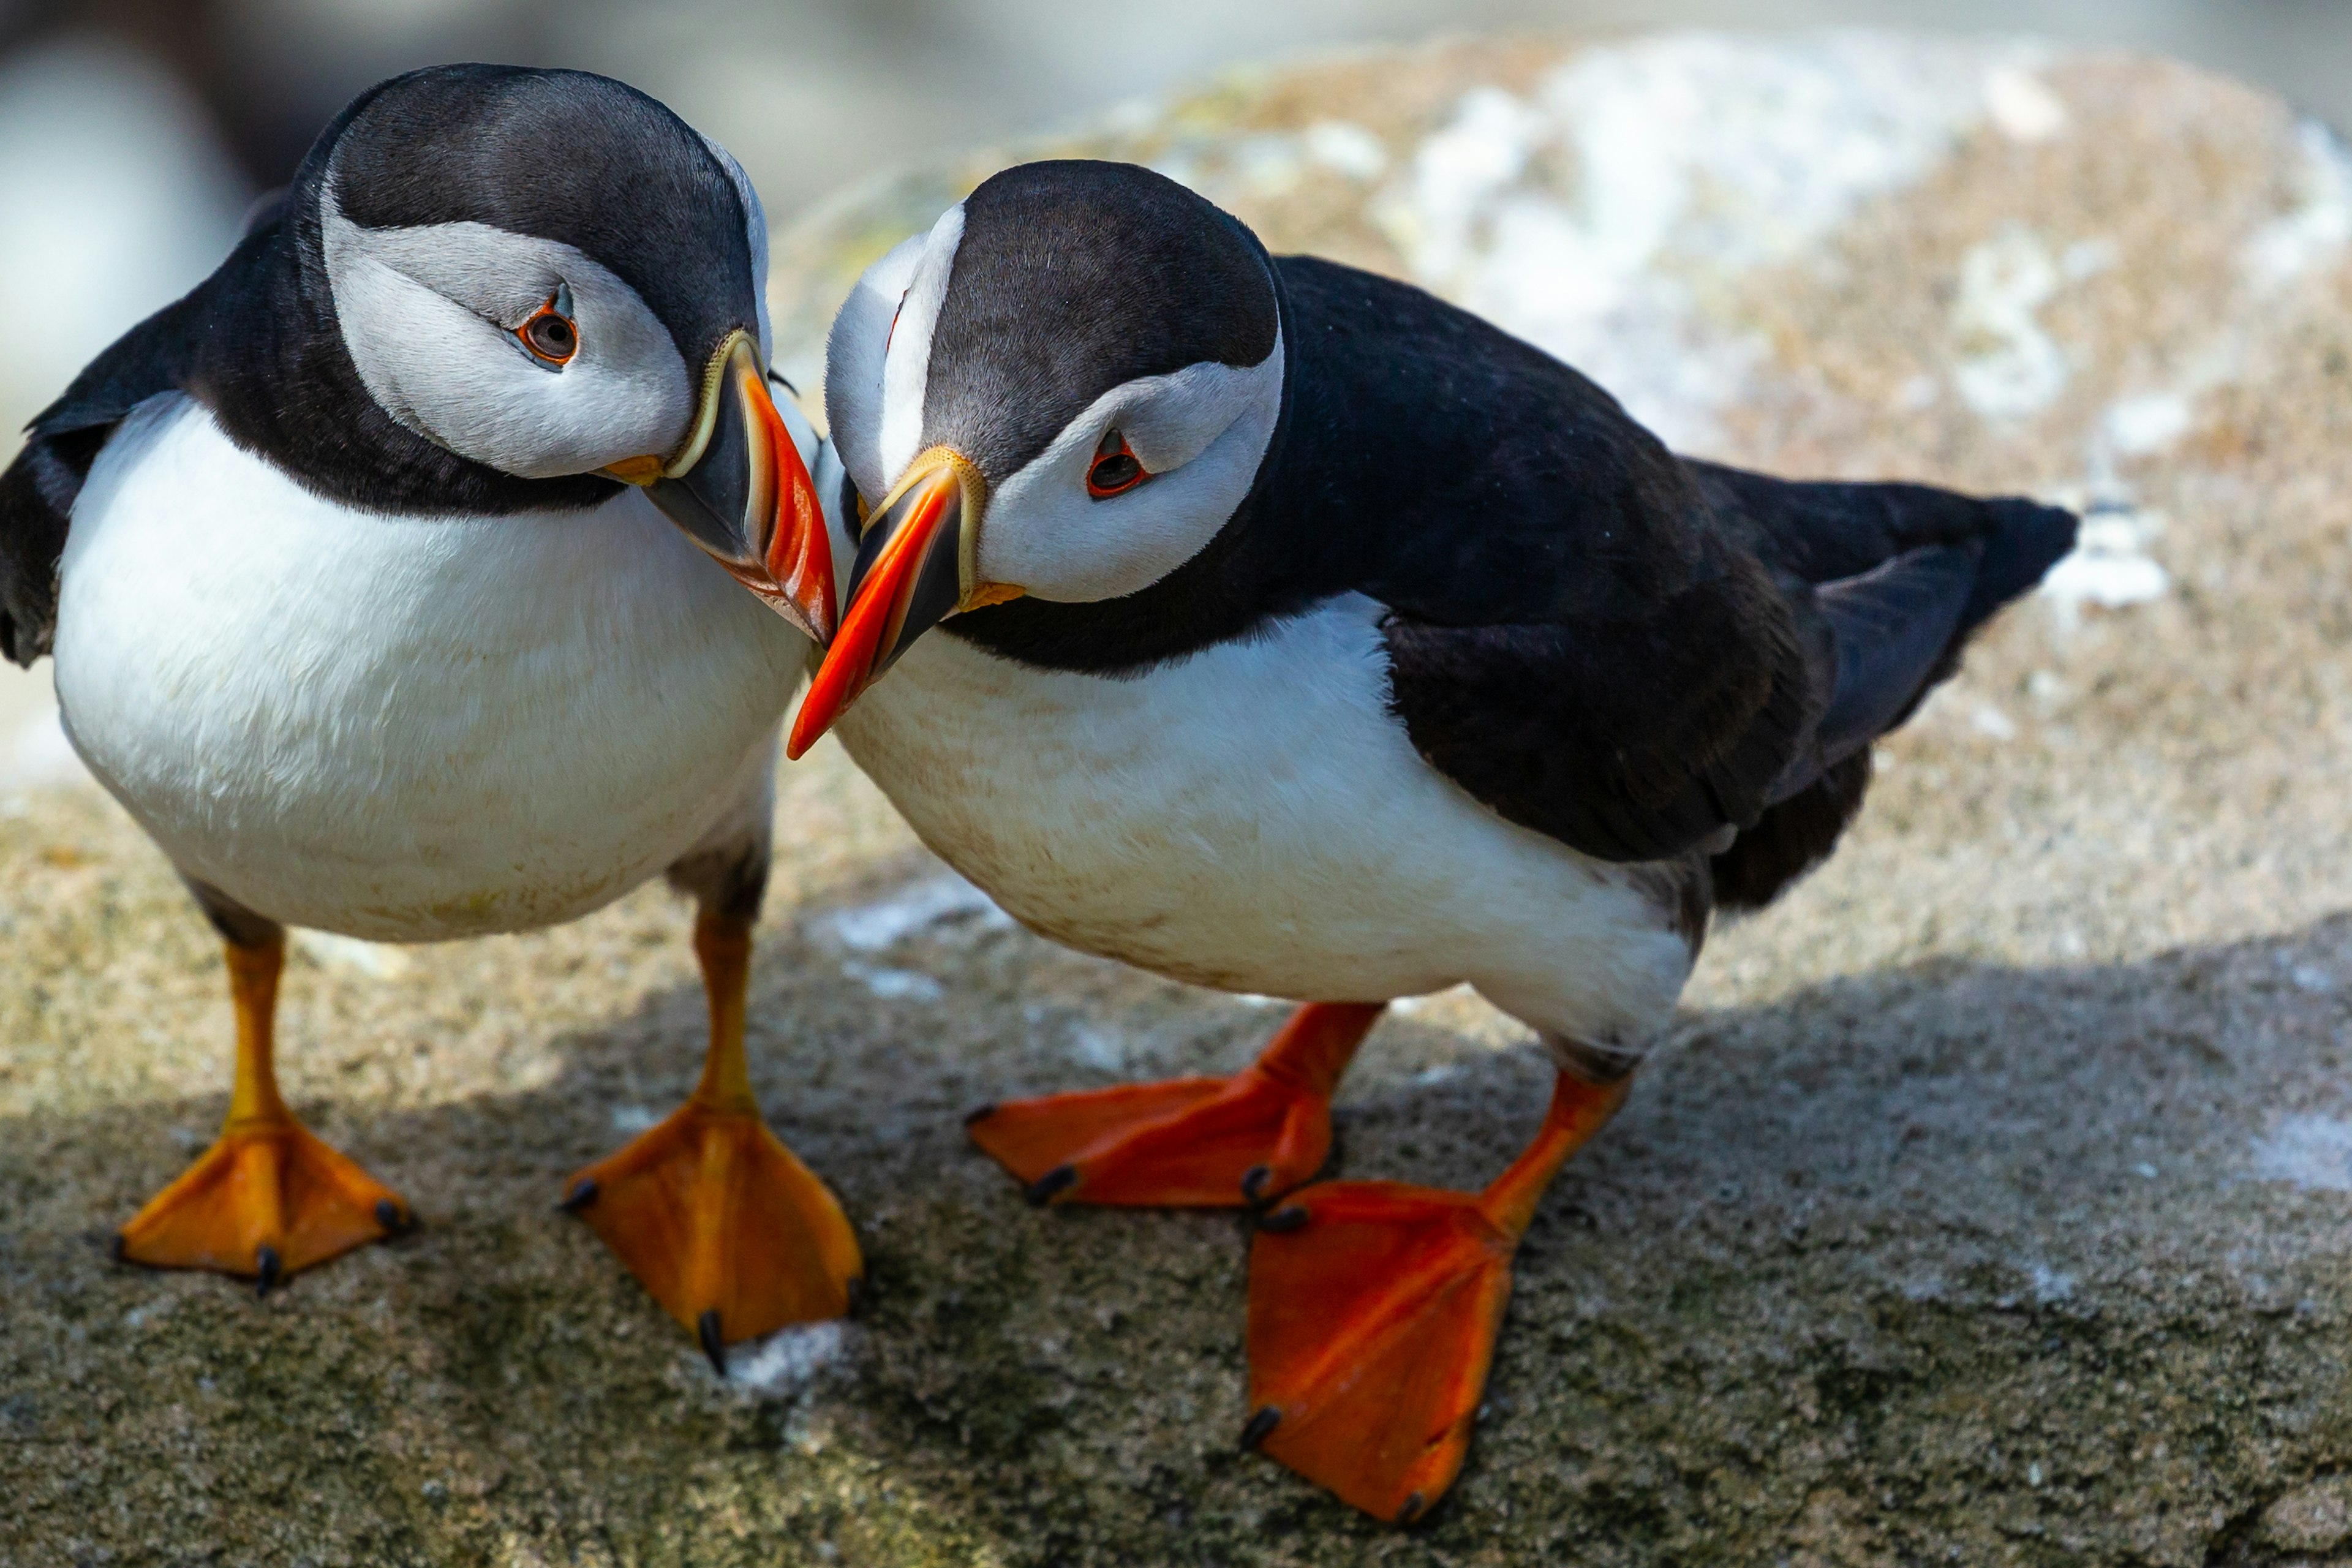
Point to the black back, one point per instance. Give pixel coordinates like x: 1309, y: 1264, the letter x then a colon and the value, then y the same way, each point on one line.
x: 561, y: 154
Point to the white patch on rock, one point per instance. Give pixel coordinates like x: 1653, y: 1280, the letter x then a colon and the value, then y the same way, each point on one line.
x: 1990, y: 720
x: 1098, y: 1048
x: 2010, y: 366
x: 789, y: 1359
x: 632, y: 1120
x: 2148, y: 423
x: 2021, y: 106
x: 1593, y: 217
x: 2307, y: 1150
x: 2088, y: 258
x: 869, y: 928
x: 2110, y: 565
x: 2317, y: 230
x: 895, y: 984
x: 1457, y: 172
x: 328, y: 949
x: 1346, y: 147
x: 2050, y: 1285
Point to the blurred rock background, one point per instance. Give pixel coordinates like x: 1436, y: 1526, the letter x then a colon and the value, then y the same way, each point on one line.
x: 133, y: 133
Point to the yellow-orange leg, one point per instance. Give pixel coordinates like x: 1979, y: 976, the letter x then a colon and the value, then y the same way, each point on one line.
x: 268, y: 1199
x: 733, y: 1235
x: 1191, y: 1142
x: 1372, y: 1312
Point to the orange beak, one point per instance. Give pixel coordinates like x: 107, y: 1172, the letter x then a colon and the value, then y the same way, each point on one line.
x: 738, y: 488
x: 914, y: 569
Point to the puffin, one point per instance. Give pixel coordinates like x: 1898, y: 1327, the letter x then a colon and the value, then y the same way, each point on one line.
x: 386, y: 576
x: 1277, y: 627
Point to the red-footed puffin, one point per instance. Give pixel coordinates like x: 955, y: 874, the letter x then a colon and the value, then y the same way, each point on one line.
x: 1277, y: 627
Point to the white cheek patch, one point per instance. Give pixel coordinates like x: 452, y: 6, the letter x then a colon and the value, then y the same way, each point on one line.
x: 427, y: 315
x: 1200, y: 432
x: 853, y: 352
x: 907, y: 363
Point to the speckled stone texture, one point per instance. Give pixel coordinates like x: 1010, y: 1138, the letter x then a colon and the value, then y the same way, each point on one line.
x: 1991, y: 1202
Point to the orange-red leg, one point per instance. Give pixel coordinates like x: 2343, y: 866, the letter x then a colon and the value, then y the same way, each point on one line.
x: 1372, y: 1312
x: 733, y: 1235
x: 1192, y: 1142
x: 268, y: 1199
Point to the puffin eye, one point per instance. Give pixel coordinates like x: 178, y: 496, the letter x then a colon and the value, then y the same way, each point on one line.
x: 1116, y: 471
x: 550, y: 333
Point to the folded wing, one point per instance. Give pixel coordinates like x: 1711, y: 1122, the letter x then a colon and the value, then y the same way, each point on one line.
x: 1746, y: 699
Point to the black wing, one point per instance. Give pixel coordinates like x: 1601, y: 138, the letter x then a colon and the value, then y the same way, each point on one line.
x: 1631, y: 652
x: 37, y: 489
x: 1632, y: 736
x: 1747, y: 700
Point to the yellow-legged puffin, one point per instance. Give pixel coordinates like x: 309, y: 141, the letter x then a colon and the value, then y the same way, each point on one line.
x: 355, y: 567
x: 1300, y: 634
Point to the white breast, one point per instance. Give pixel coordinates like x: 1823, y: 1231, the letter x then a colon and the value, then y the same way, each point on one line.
x: 403, y: 728
x: 1254, y: 818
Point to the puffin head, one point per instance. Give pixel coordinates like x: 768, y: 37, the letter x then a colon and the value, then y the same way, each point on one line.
x: 548, y: 273
x: 1064, y: 390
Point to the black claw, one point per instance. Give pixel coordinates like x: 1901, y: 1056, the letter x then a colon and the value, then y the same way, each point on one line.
x: 116, y: 1247
x: 388, y: 1215
x: 583, y: 1193
x: 1260, y: 1424
x: 1289, y: 1216
x: 1253, y: 1181
x: 706, y: 1328
x: 267, y: 1270
x: 1411, y: 1509
x: 1060, y: 1179
x: 979, y: 1113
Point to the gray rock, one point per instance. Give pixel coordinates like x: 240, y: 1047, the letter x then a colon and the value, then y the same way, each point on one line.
x: 1992, y: 1201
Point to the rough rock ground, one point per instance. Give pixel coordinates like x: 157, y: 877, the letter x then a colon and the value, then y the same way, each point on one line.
x: 1991, y: 1202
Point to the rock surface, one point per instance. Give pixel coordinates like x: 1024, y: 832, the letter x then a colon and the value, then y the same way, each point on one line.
x: 1992, y: 1203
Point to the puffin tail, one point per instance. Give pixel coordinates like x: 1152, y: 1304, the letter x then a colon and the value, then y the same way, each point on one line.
x: 1903, y: 575
x: 2023, y: 539
x: 1899, y: 627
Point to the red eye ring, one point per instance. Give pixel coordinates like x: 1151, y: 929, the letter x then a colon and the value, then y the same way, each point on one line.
x: 550, y: 334
x: 1114, y: 471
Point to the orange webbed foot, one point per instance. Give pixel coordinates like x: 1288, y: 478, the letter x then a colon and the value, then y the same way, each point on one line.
x: 267, y: 1200
x: 731, y: 1234
x: 1194, y: 1143
x: 1373, y: 1308
x: 1372, y: 1312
